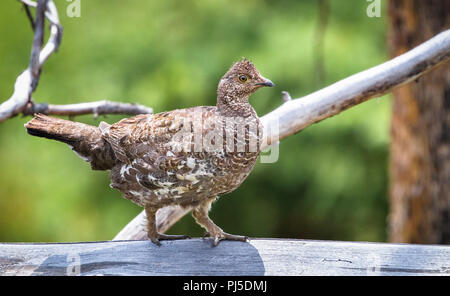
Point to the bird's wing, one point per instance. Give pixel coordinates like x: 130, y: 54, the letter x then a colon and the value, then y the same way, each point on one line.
x: 164, y: 134
x: 151, y: 149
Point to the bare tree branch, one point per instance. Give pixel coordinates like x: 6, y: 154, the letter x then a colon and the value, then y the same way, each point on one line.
x: 21, y: 101
x: 96, y: 108
x: 49, y: 14
x: 285, y: 96
x: 165, y: 218
x: 38, y: 40
x: 55, y: 33
x: 295, y: 115
x: 29, y: 15
x: 27, y: 81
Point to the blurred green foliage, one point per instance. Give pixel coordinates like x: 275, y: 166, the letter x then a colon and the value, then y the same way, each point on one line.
x: 330, y: 181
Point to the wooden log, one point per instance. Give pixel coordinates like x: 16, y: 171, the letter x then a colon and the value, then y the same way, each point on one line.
x: 197, y: 257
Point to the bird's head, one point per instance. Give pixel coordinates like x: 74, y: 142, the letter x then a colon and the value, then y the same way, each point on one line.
x: 241, y: 80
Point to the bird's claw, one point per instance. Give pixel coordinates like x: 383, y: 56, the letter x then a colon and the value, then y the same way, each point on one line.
x: 219, y: 236
x: 156, y: 239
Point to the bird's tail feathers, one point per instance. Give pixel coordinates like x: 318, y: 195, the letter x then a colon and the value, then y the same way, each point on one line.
x: 85, y: 140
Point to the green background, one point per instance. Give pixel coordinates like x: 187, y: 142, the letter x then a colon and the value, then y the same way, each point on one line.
x: 330, y: 181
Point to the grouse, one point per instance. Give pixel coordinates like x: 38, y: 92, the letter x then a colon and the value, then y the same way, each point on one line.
x: 186, y: 157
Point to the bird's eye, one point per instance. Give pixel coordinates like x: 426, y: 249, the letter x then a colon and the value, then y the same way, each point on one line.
x: 243, y: 78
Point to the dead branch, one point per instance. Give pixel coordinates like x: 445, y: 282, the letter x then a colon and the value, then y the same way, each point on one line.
x: 29, y: 15
x: 27, y: 81
x: 21, y: 101
x: 96, y: 108
x: 165, y: 218
x: 296, y: 114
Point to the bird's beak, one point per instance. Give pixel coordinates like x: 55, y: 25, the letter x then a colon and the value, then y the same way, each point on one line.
x: 266, y: 82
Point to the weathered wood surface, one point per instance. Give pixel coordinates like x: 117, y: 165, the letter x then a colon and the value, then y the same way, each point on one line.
x: 197, y: 257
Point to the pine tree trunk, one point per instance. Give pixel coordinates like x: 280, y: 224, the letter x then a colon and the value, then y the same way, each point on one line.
x: 420, y: 131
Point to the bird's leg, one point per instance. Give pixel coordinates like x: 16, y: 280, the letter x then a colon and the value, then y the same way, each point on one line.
x: 200, y: 215
x: 152, y: 232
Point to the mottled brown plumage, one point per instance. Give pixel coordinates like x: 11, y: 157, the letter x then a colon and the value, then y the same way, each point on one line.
x: 186, y: 157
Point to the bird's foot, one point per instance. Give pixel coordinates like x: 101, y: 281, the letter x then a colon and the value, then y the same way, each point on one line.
x: 220, y: 235
x: 160, y: 236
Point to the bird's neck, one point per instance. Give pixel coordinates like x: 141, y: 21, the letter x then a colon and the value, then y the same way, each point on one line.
x: 228, y: 105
